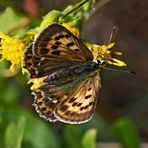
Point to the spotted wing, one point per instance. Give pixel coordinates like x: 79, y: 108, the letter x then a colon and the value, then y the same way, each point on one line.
x: 31, y: 62
x: 44, y: 105
x: 73, y: 106
x: 57, y: 42
x: 40, y: 66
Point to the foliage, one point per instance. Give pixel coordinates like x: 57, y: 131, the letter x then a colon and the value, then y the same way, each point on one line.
x: 126, y: 133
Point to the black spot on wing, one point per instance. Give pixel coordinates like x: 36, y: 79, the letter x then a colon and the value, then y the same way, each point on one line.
x: 40, y: 103
x: 70, y: 44
x: 79, y: 104
x: 76, y: 50
x: 58, y: 43
x: 87, y: 97
x: 67, y: 35
x: 56, y: 52
x: 74, y: 104
x: 72, y: 100
x: 89, y: 89
x: 29, y: 64
x: 54, y: 46
x: 81, y: 108
x: 59, y: 37
x: 43, y: 108
x: 86, y: 106
x: 67, y: 112
x: 91, y: 103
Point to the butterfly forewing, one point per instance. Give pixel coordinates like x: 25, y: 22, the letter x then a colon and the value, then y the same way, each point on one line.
x: 40, y: 66
x: 30, y: 62
x: 57, y: 42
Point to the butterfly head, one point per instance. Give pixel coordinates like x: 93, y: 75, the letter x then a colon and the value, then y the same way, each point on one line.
x: 101, y: 62
x: 103, y: 55
x: 100, y: 58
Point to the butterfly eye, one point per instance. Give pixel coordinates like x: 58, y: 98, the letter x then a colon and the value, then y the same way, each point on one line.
x: 101, y: 62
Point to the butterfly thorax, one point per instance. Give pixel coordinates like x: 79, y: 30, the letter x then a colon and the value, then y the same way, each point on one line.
x: 85, y: 68
x: 77, y: 72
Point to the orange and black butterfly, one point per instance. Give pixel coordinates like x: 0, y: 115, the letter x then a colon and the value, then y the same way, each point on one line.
x: 71, y: 86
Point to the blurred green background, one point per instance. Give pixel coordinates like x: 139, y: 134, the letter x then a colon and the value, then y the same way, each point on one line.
x: 121, y: 113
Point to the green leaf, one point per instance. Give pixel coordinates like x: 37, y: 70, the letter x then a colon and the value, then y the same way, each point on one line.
x: 76, y: 17
x: 9, y: 19
x: 103, y: 130
x: 11, y: 93
x: 126, y: 132
x: 89, y: 139
x: 2, y: 86
x: 71, y: 136
x: 14, y: 134
x: 88, y: 5
x: 2, y: 130
x: 51, y: 17
x: 38, y: 133
x: 79, y: 16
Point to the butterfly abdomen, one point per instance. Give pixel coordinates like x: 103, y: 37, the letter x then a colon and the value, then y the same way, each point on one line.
x: 59, y: 78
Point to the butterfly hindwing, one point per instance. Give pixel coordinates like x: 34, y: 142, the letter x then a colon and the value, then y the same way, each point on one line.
x: 47, y: 97
x: 78, y: 106
x: 68, y: 105
x: 58, y: 42
x: 44, y: 105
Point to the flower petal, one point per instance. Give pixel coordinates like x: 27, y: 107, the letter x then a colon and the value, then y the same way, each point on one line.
x: 116, y: 62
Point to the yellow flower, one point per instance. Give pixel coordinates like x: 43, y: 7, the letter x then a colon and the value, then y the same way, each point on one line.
x: 11, y: 49
x: 100, y: 52
x: 37, y: 82
x: 72, y: 29
x: 103, y: 52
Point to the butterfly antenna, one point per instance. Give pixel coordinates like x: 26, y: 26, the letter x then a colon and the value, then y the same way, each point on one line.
x: 113, y: 32
x: 117, y: 70
x: 76, y: 8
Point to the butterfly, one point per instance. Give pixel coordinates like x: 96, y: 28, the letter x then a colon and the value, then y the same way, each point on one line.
x: 71, y: 85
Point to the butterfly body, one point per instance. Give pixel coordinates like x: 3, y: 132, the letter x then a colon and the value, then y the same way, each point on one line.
x: 78, y: 71
x: 71, y: 86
